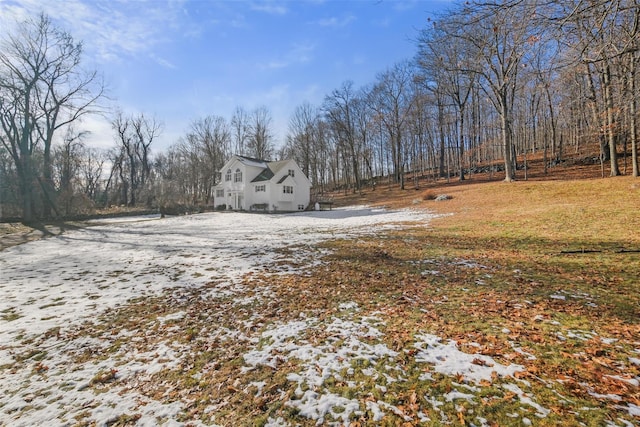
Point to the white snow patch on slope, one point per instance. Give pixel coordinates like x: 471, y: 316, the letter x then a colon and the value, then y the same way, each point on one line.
x: 448, y: 360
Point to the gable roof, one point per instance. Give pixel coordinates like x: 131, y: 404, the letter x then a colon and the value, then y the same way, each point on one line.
x: 265, y: 175
x: 250, y: 161
x: 270, y: 170
x: 283, y: 179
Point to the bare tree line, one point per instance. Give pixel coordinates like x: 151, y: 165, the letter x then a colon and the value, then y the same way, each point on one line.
x: 490, y: 84
x: 42, y: 90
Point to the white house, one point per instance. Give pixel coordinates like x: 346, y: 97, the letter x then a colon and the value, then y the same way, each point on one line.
x: 253, y: 184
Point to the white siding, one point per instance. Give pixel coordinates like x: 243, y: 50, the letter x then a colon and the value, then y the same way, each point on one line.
x: 242, y: 195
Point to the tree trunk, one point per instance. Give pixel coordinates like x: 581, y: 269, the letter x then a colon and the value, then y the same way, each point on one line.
x: 595, y: 114
x: 48, y: 188
x: 27, y: 176
x: 507, y: 142
x: 442, y: 140
x: 26, y: 187
x: 633, y: 124
x: 461, y: 143
x: 610, y: 124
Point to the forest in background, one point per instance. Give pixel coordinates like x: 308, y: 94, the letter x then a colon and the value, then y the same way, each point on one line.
x: 490, y: 83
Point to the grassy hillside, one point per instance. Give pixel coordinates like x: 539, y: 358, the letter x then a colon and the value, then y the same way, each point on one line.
x: 548, y: 269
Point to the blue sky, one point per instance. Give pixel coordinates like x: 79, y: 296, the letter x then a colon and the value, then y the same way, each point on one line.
x: 180, y: 60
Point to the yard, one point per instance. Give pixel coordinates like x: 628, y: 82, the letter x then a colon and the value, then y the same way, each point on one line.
x: 501, y: 314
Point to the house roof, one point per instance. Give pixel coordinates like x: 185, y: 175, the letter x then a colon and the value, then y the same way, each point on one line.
x: 265, y: 175
x: 250, y: 161
x: 270, y: 170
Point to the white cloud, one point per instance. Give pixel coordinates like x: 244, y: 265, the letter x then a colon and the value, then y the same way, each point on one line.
x: 299, y: 53
x: 336, y: 22
x: 110, y: 30
x: 402, y: 6
x: 163, y: 62
x: 270, y: 7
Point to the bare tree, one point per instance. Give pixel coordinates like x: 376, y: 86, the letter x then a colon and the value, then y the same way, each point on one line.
x: 240, y: 128
x: 134, y: 136
x: 260, y: 143
x: 392, y: 99
x: 42, y: 89
x: 210, y: 138
x: 339, y: 110
x: 302, y: 135
x: 67, y: 164
x: 602, y: 37
x: 445, y: 60
x: 499, y: 35
x: 91, y: 169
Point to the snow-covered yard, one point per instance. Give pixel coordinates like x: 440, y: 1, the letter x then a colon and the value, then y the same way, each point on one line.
x: 142, y: 321
x: 52, y: 286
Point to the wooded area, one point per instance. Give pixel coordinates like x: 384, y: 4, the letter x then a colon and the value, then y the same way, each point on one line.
x: 491, y: 82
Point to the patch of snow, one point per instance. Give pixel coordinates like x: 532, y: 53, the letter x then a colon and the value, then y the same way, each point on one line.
x: 426, y: 376
x: 319, y: 362
x: 469, y: 264
x: 631, y: 381
x: 448, y: 360
x: 519, y: 350
x: 581, y: 335
x: 455, y: 394
x: 429, y: 273
x: 634, y: 410
x: 376, y: 412
x: 317, y: 406
x: 540, y: 411
x: 625, y: 423
x: 259, y: 385
x: 557, y: 296
x: 608, y: 396
x: 171, y: 317
x: 276, y: 422
x: 348, y: 306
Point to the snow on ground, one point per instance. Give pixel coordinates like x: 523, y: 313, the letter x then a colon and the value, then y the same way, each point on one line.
x: 52, y: 282
x: 50, y: 286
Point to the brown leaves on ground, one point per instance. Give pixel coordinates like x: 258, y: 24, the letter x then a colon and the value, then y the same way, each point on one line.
x: 491, y: 278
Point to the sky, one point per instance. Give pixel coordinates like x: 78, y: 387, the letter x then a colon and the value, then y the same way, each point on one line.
x: 181, y: 60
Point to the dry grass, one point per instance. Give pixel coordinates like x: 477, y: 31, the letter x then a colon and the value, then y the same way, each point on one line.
x: 539, y: 273
x: 559, y: 258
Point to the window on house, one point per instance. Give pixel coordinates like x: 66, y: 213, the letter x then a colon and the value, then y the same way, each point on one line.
x: 228, y: 175
x: 219, y: 193
x: 287, y: 189
x: 292, y: 172
x: 300, y: 207
x: 238, y: 176
x: 260, y: 188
